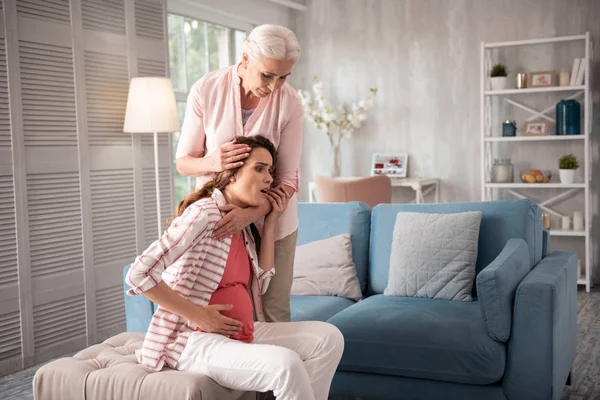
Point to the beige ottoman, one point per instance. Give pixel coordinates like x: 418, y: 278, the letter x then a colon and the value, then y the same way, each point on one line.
x: 109, y: 371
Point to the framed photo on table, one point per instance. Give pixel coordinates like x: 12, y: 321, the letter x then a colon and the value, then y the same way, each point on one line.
x: 394, y: 165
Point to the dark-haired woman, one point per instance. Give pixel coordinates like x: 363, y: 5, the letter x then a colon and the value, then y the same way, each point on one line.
x: 210, y: 318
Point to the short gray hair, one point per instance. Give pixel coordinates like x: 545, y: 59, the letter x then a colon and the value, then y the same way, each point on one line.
x: 272, y: 41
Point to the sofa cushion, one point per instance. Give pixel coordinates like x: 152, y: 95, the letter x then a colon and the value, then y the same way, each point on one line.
x: 420, y: 338
x: 497, y: 284
x: 501, y: 221
x: 325, y: 268
x: 110, y: 371
x: 317, y: 308
x: 324, y: 220
x: 433, y: 255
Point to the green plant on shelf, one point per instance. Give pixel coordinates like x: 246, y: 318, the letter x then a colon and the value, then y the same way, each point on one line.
x: 499, y: 70
x: 568, y: 161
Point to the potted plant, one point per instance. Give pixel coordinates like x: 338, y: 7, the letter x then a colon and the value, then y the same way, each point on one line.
x: 498, y: 76
x: 567, y: 166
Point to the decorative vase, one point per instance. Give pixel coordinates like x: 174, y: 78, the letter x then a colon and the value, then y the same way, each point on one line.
x: 567, y: 176
x: 521, y: 81
x: 498, y: 82
x: 336, y: 169
x: 567, y: 117
x: 564, y: 77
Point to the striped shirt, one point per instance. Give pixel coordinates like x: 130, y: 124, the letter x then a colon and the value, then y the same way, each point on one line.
x: 192, y: 263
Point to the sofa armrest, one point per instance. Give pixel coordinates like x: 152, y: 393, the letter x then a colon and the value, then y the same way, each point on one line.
x: 541, y: 349
x: 138, y: 309
x: 496, y: 287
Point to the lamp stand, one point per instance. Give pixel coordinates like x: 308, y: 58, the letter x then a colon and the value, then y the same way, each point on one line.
x: 158, y: 216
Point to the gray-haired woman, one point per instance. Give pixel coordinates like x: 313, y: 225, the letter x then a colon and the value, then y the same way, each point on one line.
x: 248, y: 99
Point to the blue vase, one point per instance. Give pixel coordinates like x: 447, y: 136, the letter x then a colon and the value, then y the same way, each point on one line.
x: 567, y: 117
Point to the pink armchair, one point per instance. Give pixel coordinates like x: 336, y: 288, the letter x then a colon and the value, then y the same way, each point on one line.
x: 371, y: 190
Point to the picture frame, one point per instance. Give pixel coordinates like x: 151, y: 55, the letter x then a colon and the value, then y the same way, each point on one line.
x: 536, y: 128
x: 542, y: 79
x: 393, y: 165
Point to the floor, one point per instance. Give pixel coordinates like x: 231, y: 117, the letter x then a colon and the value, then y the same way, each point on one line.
x: 586, y: 377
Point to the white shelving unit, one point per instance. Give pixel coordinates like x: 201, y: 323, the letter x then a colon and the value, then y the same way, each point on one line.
x: 487, y: 140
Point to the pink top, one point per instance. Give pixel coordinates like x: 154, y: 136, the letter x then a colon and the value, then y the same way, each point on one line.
x: 214, y: 116
x: 192, y: 263
x: 233, y: 289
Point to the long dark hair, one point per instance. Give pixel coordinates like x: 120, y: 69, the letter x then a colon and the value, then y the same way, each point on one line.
x: 223, y: 178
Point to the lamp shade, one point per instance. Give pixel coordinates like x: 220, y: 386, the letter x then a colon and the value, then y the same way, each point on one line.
x: 151, y: 106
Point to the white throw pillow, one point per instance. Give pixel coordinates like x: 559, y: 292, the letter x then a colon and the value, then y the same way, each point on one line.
x: 325, y: 268
x: 434, y: 255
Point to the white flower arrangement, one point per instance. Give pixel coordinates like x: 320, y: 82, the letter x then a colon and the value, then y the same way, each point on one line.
x: 346, y: 118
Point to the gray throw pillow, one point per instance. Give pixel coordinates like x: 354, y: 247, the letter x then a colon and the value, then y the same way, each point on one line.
x: 434, y: 255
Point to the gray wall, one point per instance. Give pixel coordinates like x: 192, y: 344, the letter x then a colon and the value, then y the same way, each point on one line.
x: 423, y: 55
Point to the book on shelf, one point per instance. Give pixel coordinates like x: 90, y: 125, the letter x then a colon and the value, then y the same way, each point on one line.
x: 575, y: 71
x: 580, y: 74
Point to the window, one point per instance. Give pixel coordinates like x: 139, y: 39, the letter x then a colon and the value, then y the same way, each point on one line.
x: 196, y: 48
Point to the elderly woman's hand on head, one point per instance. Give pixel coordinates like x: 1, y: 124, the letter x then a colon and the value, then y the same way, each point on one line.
x: 228, y: 156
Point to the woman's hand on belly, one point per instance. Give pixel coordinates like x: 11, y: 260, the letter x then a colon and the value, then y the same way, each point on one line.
x: 209, y: 319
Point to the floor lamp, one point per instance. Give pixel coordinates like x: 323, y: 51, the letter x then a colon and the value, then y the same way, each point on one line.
x: 151, y: 108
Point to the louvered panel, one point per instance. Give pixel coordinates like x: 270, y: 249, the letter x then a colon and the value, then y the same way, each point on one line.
x: 104, y: 15
x: 110, y: 309
x: 149, y: 201
x: 5, y: 139
x: 48, y: 91
x: 55, y: 231
x: 151, y: 68
x: 48, y: 10
x: 59, y: 322
x: 107, y: 86
x: 163, y: 141
x: 149, y: 19
x: 8, y: 233
x: 10, y: 335
x: 113, y: 215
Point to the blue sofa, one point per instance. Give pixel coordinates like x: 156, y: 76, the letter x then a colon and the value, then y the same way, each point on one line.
x: 414, y: 348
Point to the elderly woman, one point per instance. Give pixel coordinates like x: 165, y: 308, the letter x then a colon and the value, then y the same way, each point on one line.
x: 248, y: 99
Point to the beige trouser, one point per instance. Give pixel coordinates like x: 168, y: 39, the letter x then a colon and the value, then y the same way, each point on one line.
x: 276, y: 301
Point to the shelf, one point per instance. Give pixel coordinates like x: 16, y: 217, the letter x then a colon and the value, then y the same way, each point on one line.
x: 535, y: 41
x: 535, y: 185
x: 534, y: 90
x: 534, y: 138
x: 538, y: 103
x: 566, y: 233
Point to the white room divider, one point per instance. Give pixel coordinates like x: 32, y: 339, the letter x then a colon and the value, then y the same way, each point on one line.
x: 77, y: 196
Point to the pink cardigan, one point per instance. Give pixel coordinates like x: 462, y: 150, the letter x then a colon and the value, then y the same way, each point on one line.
x: 214, y: 116
x: 192, y: 263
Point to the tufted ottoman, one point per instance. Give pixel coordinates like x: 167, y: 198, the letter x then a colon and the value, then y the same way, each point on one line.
x: 109, y: 371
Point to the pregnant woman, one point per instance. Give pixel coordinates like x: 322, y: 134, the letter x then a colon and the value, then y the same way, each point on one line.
x: 208, y: 291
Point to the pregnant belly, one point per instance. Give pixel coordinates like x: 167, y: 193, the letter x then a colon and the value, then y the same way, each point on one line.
x: 242, y: 310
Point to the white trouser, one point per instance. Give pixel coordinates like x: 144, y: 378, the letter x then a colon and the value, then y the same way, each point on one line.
x: 296, y: 360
